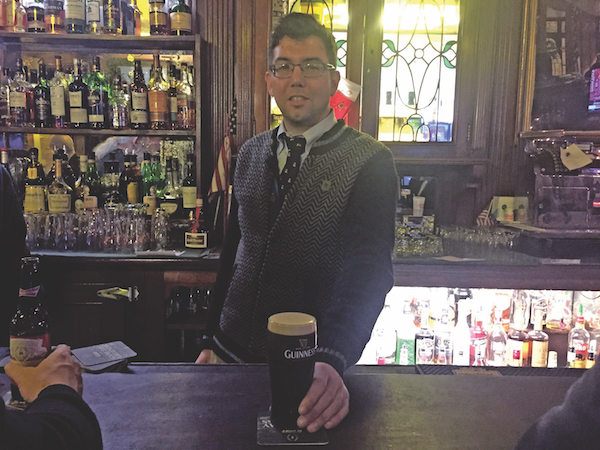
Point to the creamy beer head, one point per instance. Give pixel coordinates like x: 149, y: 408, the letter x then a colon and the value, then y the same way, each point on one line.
x: 291, y: 349
x: 292, y: 324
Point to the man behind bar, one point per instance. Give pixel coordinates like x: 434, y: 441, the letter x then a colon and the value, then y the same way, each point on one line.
x: 319, y: 244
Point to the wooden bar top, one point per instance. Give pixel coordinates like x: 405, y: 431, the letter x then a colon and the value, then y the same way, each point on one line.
x: 187, y: 406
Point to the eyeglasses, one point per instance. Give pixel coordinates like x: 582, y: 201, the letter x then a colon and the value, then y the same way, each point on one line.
x: 311, y: 69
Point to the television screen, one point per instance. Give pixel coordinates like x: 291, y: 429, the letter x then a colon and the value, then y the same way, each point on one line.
x: 594, y: 94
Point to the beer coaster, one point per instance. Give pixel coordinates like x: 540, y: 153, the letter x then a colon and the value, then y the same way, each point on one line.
x: 267, y: 434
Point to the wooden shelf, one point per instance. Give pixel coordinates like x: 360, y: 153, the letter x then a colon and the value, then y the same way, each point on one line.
x: 109, y: 43
x: 105, y: 132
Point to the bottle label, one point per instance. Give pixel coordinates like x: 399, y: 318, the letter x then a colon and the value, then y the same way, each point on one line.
x: 158, y: 18
x: 139, y: 116
x: 158, y: 106
x: 196, y: 240
x: 30, y: 351
x: 74, y: 11
x: 150, y: 200
x: 189, y: 196
x: 42, y: 109
x: 132, y: 192
x: 90, y: 201
x: 96, y: 118
x: 93, y: 11
x: 75, y: 99
x: 539, y: 354
x: 169, y: 207
x: 181, y: 21
x: 405, y: 351
x: 17, y: 99
x: 59, y: 203
x: 34, y: 199
x: 79, y: 115
x: 139, y: 101
x: 53, y: 7
x: 57, y: 100
x: 515, y: 353
x: 424, y: 350
x: 31, y: 292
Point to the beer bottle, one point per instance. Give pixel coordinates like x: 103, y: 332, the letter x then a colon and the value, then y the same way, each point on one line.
x: 29, y: 335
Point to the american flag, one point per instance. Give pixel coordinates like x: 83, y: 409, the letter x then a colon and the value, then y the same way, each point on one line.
x: 220, y: 180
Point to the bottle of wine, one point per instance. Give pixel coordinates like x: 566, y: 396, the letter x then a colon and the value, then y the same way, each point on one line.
x: 181, y: 19
x: 78, y: 98
x: 29, y: 332
x: 35, y: 16
x: 157, y: 97
x: 112, y: 17
x: 188, y: 185
x: 75, y: 16
x: 59, y: 96
x: 54, y: 16
x: 41, y: 99
x: 138, y: 114
x: 98, y: 96
x: 159, y: 19
x: 93, y: 17
x: 60, y: 194
x: 19, y: 89
x: 35, y: 185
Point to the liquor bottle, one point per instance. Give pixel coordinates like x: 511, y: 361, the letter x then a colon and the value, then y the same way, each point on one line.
x: 138, y: 114
x: 93, y: 17
x: 118, y: 105
x: 405, y: 337
x: 20, y: 22
x: 4, y: 15
x: 158, y: 177
x: 41, y: 99
x: 59, y: 96
x: 539, y: 343
x: 59, y: 192
x: 185, y: 103
x: 578, y: 343
x: 478, y: 344
x: 157, y: 98
x: 98, y: 96
x: 518, y: 345
x: 593, y: 348
x: 461, y: 338
x: 159, y: 19
x: 171, y: 202
x: 172, y: 96
x: 495, y: 351
x: 110, y: 184
x: 112, y: 16
x: 130, y: 181
x: 93, y: 187
x: 78, y: 98
x: 54, y: 16
x: 75, y: 16
x: 35, y: 185
x: 188, y: 185
x: 198, y: 235
x: 80, y: 185
x: 19, y: 89
x: 146, y: 174
x: 443, y: 340
x: 384, y: 336
x: 29, y: 332
x: 181, y: 19
x: 35, y: 16
x: 424, y: 345
x: 137, y: 17
x: 4, y: 96
x: 132, y: 18
x: 32, y: 79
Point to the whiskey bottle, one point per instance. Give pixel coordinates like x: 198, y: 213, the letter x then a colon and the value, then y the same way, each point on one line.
x: 60, y: 194
x: 75, y: 16
x: 19, y: 89
x: 54, y: 16
x: 539, y: 343
x: 29, y: 331
x: 189, y: 185
x: 518, y: 345
x: 138, y: 114
x: 578, y: 342
x: 98, y: 96
x: 41, y: 99
x: 185, y: 104
x: 35, y: 185
x: 159, y: 19
x: 198, y: 234
x: 78, y: 98
x: 59, y: 96
x: 112, y: 16
x: 35, y: 16
x: 157, y: 97
x: 181, y: 19
x: 93, y: 17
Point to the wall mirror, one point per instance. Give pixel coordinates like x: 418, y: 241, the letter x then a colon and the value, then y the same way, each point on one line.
x: 566, y: 92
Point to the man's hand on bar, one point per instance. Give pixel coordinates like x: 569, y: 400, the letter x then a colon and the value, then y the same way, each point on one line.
x: 204, y: 357
x: 58, y: 368
x: 327, y: 400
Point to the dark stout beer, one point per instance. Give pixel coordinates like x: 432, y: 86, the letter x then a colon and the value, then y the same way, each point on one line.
x: 292, y: 344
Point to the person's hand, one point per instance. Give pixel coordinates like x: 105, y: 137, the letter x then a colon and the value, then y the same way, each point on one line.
x: 327, y: 401
x: 204, y: 357
x: 58, y: 368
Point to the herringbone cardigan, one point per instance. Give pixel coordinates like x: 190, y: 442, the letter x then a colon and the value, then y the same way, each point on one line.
x: 326, y: 251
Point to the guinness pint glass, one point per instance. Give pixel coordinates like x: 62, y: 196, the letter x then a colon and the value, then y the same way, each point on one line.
x: 292, y: 344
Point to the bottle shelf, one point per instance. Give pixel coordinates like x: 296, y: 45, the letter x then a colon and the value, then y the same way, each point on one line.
x: 110, y: 43
x: 103, y: 132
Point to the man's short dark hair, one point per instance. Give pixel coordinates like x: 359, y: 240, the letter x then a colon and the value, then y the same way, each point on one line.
x: 299, y: 27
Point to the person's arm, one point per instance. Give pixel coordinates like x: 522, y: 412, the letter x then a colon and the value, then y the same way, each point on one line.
x: 57, y: 416
x: 573, y: 424
x: 224, y: 273
x: 366, y: 278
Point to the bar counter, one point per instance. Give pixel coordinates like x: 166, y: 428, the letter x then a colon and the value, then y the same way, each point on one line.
x: 187, y: 406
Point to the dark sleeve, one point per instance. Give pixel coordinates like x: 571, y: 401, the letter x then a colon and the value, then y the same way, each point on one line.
x: 573, y: 424
x: 224, y: 273
x: 367, y: 274
x: 12, y: 248
x: 57, y: 419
